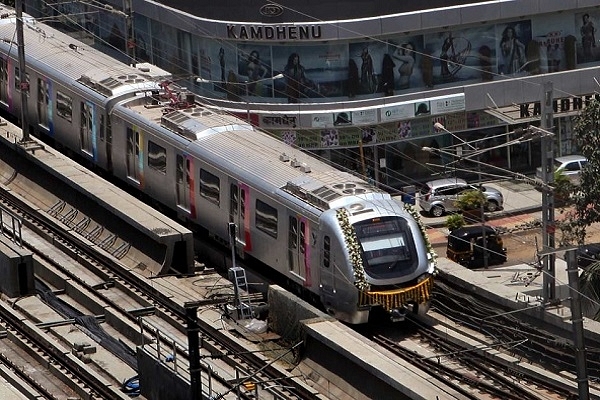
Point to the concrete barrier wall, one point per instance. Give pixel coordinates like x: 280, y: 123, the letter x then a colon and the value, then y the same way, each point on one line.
x: 287, y: 311
x: 157, y: 380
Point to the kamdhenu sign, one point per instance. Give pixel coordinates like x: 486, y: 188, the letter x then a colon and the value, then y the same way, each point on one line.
x: 564, y: 105
x: 276, y: 32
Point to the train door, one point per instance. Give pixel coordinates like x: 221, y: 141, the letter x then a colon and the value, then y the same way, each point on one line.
x: 4, y: 84
x: 109, y: 165
x: 134, y: 155
x: 240, y: 216
x: 183, y: 182
x: 43, y: 103
x: 87, y: 129
x: 298, y: 248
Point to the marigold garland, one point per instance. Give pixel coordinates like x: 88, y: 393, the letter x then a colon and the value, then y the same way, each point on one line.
x: 354, y: 251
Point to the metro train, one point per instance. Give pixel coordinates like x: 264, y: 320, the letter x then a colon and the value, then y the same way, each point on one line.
x: 337, y: 238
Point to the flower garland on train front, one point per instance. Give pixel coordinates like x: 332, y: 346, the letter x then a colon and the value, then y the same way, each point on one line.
x: 417, y: 217
x: 360, y: 278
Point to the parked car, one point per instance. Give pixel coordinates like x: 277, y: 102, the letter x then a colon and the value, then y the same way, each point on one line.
x: 439, y: 196
x: 466, y: 246
x: 570, y: 166
x: 588, y: 254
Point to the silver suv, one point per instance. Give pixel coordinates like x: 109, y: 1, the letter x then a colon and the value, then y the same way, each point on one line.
x: 439, y: 196
x: 570, y: 166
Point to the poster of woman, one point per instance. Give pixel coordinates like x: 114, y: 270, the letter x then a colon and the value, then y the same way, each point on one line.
x: 254, y: 69
x: 311, y: 72
x: 513, y: 43
x: 587, y: 32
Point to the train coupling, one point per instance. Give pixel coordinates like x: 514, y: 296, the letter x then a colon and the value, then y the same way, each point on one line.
x: 398, y: 314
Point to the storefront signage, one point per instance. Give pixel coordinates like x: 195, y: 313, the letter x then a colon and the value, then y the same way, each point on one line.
x: 364, y: 117
x: 531, y: 111
x: 322, y: 120
x: 277, y: 32
x: 563, y: 105
x: 271, y: 10
x: 448, y: 105
x: 397, y: 112
x: 278, y: 121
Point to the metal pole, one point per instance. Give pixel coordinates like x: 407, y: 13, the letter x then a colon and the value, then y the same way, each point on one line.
x: 548, y: 223
x: 483, y: 235
x: 236, y: 290
x: 577, y: 321
x: 130, y: 39
x: 22, y: 75
x: 191, y: 311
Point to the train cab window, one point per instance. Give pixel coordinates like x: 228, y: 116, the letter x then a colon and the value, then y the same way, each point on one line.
x: 266, y: 218
x: 326, y: 251
x: 64, y: 106
x: 18, y: 81
x: 157, y: 157
x: 210, y: 186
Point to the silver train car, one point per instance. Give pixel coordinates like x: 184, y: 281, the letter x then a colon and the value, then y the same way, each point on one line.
x: 334, y: 237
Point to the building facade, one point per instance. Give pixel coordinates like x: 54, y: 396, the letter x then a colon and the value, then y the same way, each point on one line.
x: 363, y: 83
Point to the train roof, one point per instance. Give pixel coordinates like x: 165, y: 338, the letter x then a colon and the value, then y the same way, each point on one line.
x: 228, y: 140
x: 55, y: 53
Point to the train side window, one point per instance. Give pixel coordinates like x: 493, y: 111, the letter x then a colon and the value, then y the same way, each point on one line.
x: 64, y: 106
x: 210, y: 186
x: 157, y: 157
x: 326, y: 251
x: 266, y: 218
x: 18, y: 81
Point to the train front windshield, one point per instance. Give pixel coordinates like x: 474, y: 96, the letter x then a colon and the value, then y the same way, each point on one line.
x: 388, y: 246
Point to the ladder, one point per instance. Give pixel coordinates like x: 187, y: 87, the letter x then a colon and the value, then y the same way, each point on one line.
x: 240, y: 284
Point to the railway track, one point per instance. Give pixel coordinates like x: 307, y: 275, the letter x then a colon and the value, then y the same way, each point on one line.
x: 98, y: 283
x: 475, y: 369
x: 483, y: 351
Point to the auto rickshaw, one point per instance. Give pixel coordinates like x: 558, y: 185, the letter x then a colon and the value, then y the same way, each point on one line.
x: 465, y: 246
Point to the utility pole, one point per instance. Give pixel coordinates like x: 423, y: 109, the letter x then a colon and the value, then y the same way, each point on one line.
x: 24, y: 86
x: 130, y: 35
x: 191, y: 313
x: 577, y: 321
x: 548, y: 223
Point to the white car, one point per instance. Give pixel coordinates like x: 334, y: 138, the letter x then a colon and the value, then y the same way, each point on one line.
x: 570, y: 166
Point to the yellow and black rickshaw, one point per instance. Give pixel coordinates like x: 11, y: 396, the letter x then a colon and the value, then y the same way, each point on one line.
x: 466, y: 246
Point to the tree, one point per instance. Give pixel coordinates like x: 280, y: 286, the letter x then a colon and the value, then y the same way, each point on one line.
x: 585, y: 205
x: 455, y: 221
x: 470, y: 200
x: 584, y: 199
